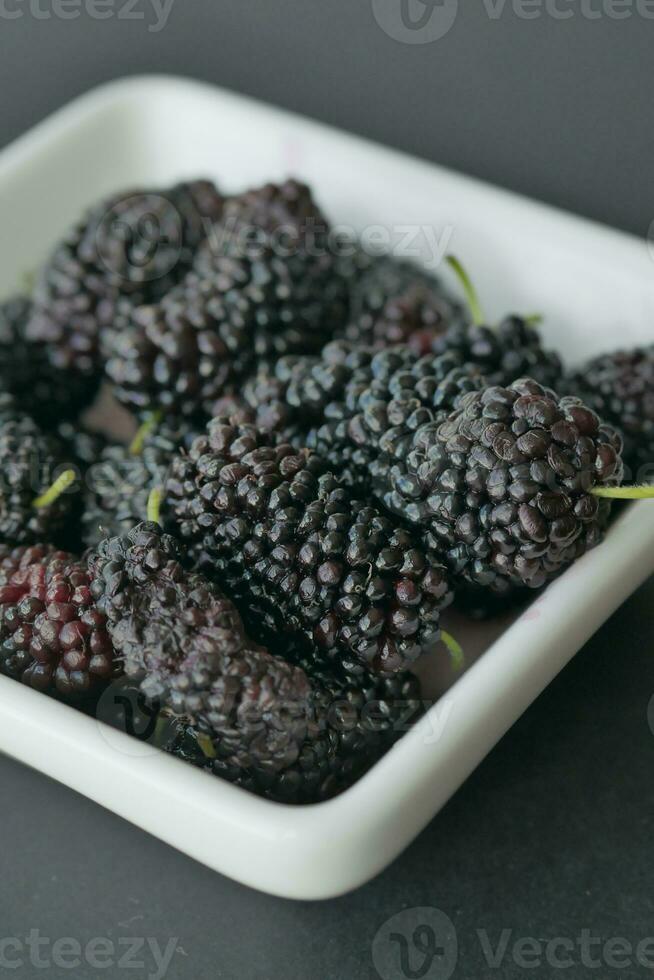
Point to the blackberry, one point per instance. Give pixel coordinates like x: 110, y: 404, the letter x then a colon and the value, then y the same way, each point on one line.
x: 509, y: 489
x: 52, y: 637
x: 352, y: 722
x: 128, y: 250
x: 620, y: 387
x: 242, y: 302
x: 30, y: 461
x: 289, y: 731
x: 186, y: 647
x: 122, y: 477
x: 504, y: 353
x: 47, y: 393
x: 395, y: 302
x: 301, y: 555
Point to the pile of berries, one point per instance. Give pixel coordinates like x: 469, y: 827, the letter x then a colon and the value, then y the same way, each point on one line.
x: 319, y: 453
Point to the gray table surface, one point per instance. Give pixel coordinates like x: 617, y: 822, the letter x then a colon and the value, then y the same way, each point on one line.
x: 551, y: 837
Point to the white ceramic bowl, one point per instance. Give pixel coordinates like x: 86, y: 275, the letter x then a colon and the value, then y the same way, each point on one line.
x: 594, y: 286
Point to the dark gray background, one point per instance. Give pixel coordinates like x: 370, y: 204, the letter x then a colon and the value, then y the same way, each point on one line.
x: 552, y: 834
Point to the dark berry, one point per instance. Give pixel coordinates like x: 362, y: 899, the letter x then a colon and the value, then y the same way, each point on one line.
x: 48, y: 393
x: 504, y: 353
x: 393, y: 301
x: 503, y: 487
x: 286, y: 540
x: 30, y: 461
x: 52, y: 636
x: 128, y: 250
x: 245, y: 299
x: 292, y: 731
x: 620, y: 388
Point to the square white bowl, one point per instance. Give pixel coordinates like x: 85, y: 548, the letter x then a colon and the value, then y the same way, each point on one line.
x: 595, y: 288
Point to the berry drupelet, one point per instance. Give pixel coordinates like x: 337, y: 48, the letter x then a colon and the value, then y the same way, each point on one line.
x: 47, y: 393
x: 121, y: 478
x: 248, y: 297
x: 620, y: 387
x: 301, y: 556
x: 290, y: 731
x: 128, y: 250
x: 509, y: 487
x: 52, y: 637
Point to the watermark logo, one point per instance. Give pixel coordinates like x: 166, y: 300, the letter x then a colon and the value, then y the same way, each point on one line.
x: 415, y: 21
x: 139, y: 238
x: 124, y: 710
x: 422, y: 944
x: 416, y: 944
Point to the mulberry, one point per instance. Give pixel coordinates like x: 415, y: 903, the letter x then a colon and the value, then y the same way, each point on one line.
x: 242, y: 302
x: 305, y: 557
x: 620, y: 388
x: 510, y: 487
x: 52, y: 637
x: 126, y: 251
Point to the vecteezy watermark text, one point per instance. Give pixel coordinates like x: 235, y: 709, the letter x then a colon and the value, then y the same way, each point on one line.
x: 586, y: 949
x: 419, y: 242
x: 147, y: 955
x: 425, y: 21
x: 423, y: 943
x: 154, y: 13
x: 567, y: 9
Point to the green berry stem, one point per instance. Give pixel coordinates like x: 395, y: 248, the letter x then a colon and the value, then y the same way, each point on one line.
x: 136, y: 445
x: 469, y: 290
x: 533, y: 319
x: 154, y: 505
x: 644, y: 492
x: 206, y: 745
x: 59, y: 486
x: 455, y: 649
